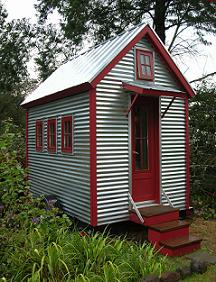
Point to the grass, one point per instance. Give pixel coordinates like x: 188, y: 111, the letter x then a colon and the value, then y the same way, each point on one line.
x: 34, y: 256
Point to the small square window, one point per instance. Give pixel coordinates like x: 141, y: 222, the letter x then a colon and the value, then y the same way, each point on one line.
x: 66, y: 134
x: 51, y: 135
x: 39, y: 135
x: 145, y: 65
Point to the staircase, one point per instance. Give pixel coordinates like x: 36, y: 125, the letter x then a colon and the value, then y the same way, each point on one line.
x: 165, y: 231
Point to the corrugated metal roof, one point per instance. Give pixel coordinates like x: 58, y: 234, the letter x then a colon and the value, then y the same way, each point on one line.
x: 85, y: 67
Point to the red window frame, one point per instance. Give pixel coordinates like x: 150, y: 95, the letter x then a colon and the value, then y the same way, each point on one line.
x: 51, y: 135
x: 67, y: 134
x: 140, y: 65
x: 39, y: 135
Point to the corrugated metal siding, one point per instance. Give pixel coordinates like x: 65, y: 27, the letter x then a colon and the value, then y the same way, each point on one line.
x: 113, y: 140
x: 173, y: 151
x: 65, y: 175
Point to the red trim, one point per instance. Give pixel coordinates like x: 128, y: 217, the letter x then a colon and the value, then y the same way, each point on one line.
x: 132, y: 103
x: 147, y: 31
x: 153, y: 92
x: 93, y: 157
x: 187, y: 151
x: 51, y: 148
x: 139, y: 73
x: 27, y: 151
x: 66, y: 149
x: 59, y: 95
x: 38, y: 126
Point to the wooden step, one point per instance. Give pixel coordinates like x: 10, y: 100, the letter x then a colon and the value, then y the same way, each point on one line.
x: 167, y: 230
x: 155, y: 214
x: 171, y: 225
x: 180, y: 242
x: 179, y: 246
x: 156, y: 210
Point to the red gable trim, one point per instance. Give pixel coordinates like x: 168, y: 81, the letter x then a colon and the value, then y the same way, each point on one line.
x: 153, y: 92
x: 59, y: 95
x: 147, y: 31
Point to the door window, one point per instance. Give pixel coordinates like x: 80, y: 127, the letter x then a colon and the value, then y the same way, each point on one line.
x: 141, y: 138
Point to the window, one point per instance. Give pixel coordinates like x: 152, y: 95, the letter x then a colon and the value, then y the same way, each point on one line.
x: 51, y: 135
x: 145, y: 68
x: 141, y: 138
x: 39, y: 135
x: 66, y: 134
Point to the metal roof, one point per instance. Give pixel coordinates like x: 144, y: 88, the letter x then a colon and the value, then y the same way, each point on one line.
x: 85, y: 67
x: 153, y: 86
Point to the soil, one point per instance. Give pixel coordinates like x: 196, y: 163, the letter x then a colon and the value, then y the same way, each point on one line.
x: 206, y: 229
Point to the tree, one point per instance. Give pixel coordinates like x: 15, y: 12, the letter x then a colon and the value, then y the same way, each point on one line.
x: 102, y: 18
x: 51, y: 49
x: 14, y: 56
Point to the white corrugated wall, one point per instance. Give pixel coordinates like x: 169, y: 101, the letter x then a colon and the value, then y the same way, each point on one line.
x: 61, y: 174
x: 113, y: 140
x: 173, y: 152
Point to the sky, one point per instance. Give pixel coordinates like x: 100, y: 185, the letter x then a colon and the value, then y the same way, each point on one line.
x: 192, y: 68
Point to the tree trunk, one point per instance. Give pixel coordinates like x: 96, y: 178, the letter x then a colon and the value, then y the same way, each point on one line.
x: 159, y: 19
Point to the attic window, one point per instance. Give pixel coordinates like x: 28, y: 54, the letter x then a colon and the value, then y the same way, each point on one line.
x: 145, y: 65
x: 66, y: 134
x: 39, y: 135
x: 51, y: 135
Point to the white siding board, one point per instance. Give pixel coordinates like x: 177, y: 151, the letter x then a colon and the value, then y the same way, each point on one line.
x: 65, y: 175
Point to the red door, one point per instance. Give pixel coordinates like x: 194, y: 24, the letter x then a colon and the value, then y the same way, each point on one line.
x: 145, y: 149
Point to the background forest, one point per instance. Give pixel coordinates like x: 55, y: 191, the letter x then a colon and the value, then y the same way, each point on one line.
x: 39, y: 243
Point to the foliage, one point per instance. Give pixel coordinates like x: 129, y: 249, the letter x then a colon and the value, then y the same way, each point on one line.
x: 203, y: 150
x: 103, y: 18
x: 14, y: 55
x: 67, y: 256
x: 37, y: 245
x: 51, y: 49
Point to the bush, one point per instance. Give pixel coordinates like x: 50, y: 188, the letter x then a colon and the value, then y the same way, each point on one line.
x: 203, y: 151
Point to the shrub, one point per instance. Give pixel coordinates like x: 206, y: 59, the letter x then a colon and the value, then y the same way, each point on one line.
x: 203, y: 150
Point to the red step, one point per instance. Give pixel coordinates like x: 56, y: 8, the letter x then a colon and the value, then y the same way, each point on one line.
x: 155, y: 214
x: 179, y: 246
x: 168, y: 230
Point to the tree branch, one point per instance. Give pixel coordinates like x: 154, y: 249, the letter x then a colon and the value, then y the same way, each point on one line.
x: 203, y: 77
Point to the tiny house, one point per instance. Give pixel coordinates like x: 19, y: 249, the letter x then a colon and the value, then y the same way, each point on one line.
x: 107, y: 132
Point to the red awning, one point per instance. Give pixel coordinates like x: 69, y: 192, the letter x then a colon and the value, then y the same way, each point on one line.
x: 154, y: 90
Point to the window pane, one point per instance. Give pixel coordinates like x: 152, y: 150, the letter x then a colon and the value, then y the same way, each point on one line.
x: 147, y: 60
x: 148, y: 70
x: 138, y: 155
x: 144, y: 70
x: 143, y: 119
x: 144, y: 154
x: 141, y: 138
x: 142, y: 59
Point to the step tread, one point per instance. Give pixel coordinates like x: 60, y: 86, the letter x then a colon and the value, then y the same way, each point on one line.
x: 171, y: 225
x: 155, y: 210
x: 175, y: 243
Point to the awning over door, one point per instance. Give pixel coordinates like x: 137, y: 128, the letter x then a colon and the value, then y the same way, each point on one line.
x: 152, y: 89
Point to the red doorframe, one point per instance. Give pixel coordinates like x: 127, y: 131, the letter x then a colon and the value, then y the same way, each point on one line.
x: 145, y: 182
